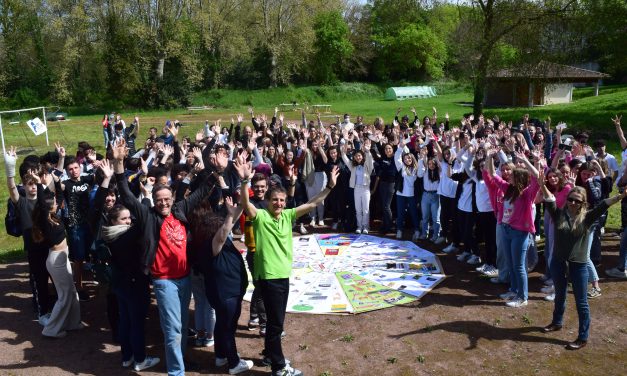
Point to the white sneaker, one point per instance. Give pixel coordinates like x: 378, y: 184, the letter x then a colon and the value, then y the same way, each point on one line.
x: 463, y: 256
x: 221, y: 362
x: 550, y: 297
x: 439, y: 240
x: 149, y: 361
x: 358, y: 231
x: 473, y: 260
x: 537, y: 238
x: 516, y: 303
x: 334, y: 226
x: 399, y: 234
x: 450, y: 249
x: 243, y: 366
x: 481, y: 268
x: 312, y: 223
x: 364, y: 231
x: 548, y: 289
x: 128, y: 363
x: 491, y: 271
x: 508, y: 295
x: 321, y: 223
x: 302, y: 229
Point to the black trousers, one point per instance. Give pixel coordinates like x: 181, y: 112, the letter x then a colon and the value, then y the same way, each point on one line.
x: 467, y: 222
x: 38, y: 279
x: 486, y: 229
x: 448, y: 209
x: 274, y: 293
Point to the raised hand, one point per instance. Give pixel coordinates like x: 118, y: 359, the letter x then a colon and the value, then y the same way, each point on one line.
x: 240, y: 118
x: 250, y: 111
x: 413, y: 110
x: 197, y: 153
x: 60, y: 149
x: 10, y: 161
x: 571, y: 176
x: 119, y: 150
x: 174, y: 130
x: 616, y: 120
x: 106, y: 168
x: 244, y: 169
x: 231, y: 207
x: 252, y: 144
x: 168, y: 150
x: 335, y: 172
x: 279, y: 149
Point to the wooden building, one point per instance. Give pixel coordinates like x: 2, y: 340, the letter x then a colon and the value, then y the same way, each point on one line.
x: 543, y: 83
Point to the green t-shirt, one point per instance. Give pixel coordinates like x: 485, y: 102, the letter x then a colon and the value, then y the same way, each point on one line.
x: 273, y: 238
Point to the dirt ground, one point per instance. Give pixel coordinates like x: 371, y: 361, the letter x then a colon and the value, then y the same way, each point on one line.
x: 459, y: 328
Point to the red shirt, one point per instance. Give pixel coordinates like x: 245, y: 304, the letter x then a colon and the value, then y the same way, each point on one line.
x: 171, y: 258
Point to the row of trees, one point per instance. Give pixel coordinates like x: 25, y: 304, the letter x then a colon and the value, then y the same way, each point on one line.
x: 155, y: 53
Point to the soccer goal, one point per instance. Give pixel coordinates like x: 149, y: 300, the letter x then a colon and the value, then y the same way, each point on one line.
x: 37, y: 125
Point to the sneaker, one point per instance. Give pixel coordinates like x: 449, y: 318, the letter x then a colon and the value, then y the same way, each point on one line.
x: 439, y: 240
x: 302, y: 229
x: 548, y: 289
x: 262, y: 331
x: 334, y: 226
x: 83, y: 296
x: 491, y: 271
x: 481, y: 268
x: 149, y: 361
x: 321, y: 223
x: 615, y: 273
x: 242, y: 238
x: 128, y: 363
x: 508, y: 295
x: 451, y: 248
x: 516, y: 303
x: 497, y: 281
x: 399, y: 234
x: 358, y: 231
x: 204, y: 342
x: 364, y: 231
x: 474, y: 260
x: 312, y: 223
x: 253, y: 324
x: 416, y: 236
x: 550, y: 297
x: 594, y: 292
x: 548, y: 282
x: 287, y: 371
x: 463, y: 256
x: 537, y: 238
x: 221, y: 362
x: 242, y: 366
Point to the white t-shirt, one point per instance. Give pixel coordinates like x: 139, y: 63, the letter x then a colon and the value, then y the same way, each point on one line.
x: 482, y: 197
x: 465, y: 199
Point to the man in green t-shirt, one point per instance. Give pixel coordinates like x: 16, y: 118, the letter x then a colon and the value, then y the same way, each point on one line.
x: 273, y: 256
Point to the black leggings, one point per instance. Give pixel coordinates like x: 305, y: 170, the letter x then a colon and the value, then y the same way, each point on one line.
x: 486, y: 230
x: 448, y: 209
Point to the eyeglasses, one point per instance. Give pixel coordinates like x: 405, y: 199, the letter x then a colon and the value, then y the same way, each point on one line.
x: 574, y: 201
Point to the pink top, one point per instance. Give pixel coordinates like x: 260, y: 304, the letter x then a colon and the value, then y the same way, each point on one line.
x: 496, y: 195
x: 560, y: 197
x: 519, y: 213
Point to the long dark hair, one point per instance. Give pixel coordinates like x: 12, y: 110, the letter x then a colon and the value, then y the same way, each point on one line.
x: 561, y: 182
x: 204, y: 223
x: 42, y: 215
x: 521, y: 181
x: 434, y: 175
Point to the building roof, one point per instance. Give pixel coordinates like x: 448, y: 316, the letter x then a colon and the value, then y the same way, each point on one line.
x: 545, y: 70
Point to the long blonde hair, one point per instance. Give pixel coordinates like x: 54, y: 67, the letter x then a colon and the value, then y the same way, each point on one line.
x: 577, y: 227
x: 412, y: 169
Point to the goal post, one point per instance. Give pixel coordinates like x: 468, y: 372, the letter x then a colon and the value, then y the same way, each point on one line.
x: 43, y: 112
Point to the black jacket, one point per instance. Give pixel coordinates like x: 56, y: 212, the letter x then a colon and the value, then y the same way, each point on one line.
x: 150, y: 222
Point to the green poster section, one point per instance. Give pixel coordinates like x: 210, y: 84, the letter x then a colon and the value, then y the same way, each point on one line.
x: 365, y: 295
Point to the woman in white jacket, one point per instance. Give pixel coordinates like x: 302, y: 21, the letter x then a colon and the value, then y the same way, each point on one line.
x: 361, y: 167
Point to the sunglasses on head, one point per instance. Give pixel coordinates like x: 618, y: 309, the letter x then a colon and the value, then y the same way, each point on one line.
x: 574, y: 201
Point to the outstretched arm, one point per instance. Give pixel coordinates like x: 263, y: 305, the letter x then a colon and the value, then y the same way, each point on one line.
x: 311, y: 204
x: 10, y: 160
x: 619, y: 131
x: 232, y: 215
x: 245, y: 173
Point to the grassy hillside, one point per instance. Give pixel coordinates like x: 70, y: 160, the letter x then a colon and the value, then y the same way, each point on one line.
x: 588, y: 112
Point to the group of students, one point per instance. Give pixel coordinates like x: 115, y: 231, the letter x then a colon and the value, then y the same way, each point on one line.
x: 164, y: 216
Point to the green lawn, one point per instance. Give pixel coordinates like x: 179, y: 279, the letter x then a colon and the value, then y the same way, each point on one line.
x: 588, y: 112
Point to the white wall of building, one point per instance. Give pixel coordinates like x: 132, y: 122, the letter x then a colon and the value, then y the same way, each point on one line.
x: 558, y: 93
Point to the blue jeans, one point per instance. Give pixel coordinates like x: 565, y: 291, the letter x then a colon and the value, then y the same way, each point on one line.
x: 622, y: 255
x: 79, y: 241
x: 578, y: 273
x: 204, y: 314
x: 430, y: 206
x: 503, y: 258
x: 516, y: 243
x: 406, y: 203
x: 173, y: 296
x: 105, y: 133
x: 133, y: 301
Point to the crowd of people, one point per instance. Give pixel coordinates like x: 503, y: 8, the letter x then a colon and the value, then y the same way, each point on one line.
x: 163, y: 215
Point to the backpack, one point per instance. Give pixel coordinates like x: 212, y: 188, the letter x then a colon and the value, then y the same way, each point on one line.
x: 11, y: 221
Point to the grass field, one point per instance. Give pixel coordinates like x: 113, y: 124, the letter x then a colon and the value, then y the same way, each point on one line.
x: 587, y: 112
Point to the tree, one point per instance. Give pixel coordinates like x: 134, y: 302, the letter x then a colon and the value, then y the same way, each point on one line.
x: 331, y: 46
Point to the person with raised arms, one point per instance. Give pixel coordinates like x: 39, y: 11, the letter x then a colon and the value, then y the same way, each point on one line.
x: 273, y: 256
